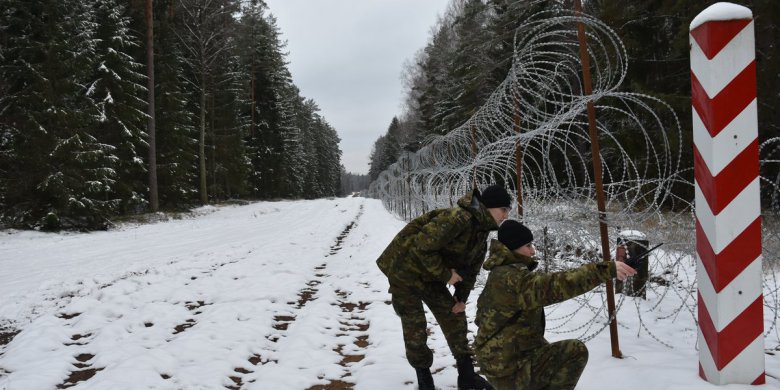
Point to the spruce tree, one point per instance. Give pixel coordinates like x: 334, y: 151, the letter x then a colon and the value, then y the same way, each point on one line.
x: 382, y: 156
x: 177, y: 142
x: 293, y: 131
x: 118, y: 91
x: 228, y: 124
x: 435, y: 81
x: 328, y: 158
x: 312, y: 186
x: 58, y: 174
x: 468, y: 70
x: 264, y: 60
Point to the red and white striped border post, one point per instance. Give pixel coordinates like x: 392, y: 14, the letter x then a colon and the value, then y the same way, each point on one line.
x: 728, y: 211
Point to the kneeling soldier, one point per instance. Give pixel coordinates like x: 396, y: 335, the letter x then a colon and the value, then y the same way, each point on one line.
x: 510, y: 344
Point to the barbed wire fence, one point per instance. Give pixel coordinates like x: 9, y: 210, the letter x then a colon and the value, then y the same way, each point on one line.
x: 532, y: 135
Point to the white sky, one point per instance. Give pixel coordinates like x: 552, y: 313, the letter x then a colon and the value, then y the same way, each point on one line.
x: 348, y: 55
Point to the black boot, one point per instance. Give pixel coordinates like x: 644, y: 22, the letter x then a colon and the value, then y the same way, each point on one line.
x: 468, y: 379
x: 424, y: 378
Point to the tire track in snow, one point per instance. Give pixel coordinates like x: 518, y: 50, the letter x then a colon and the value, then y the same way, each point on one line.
x: 354, y: 326
x: 351, y: 324
x: 82, y: 368
x: 84, y: 371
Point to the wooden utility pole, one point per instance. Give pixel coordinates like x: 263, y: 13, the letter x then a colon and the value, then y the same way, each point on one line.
x: 153, y: 200
x: 595, y: 150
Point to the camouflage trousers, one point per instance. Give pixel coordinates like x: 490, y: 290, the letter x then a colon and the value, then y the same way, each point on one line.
x: 555, y: 366
x: 408, y: 304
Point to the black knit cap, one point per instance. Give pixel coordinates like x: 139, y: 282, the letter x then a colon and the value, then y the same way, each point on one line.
x: 495, y: 196
x: 514, y: 234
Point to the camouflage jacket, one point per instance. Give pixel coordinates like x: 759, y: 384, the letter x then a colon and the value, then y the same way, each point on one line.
x: 510, y: 310
x: 430, y: 245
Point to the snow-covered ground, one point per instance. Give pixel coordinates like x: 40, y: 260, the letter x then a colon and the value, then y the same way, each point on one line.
x: 272, y: 295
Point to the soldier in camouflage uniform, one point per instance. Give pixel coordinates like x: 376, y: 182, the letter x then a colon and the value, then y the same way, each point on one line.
x: 510, y: 344
x: 441, y: 247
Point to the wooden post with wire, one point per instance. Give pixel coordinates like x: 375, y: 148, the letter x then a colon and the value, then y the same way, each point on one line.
x: 473, y: 156
x: 449, y: 186
x: 408, y: 187
x: 598, y: 177
x: 518, y: 157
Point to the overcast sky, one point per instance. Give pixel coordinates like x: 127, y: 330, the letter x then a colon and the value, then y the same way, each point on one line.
x: 348, y: 55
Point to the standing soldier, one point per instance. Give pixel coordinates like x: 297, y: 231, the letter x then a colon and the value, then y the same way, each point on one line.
x: 510, y: 343
x: 442, y: 247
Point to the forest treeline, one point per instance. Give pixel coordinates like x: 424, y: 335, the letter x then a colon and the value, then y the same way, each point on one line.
x: 229, y: 121
x: 470, y: 50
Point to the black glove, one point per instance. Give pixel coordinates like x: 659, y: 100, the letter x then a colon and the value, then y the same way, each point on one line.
x: 635, y: 262
x: 461, y: 293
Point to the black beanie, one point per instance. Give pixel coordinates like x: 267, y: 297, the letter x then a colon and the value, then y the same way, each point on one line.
x: 495, y: 196
x: 514, y: 234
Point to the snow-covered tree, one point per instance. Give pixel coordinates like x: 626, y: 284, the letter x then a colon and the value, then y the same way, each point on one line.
x: 228, y: 123
x: 328, y: 157
x: 58, y: 174
x: 263, y: 58
x: 119, y: 93
x: 228, y: 119
x: 313, y: 185
x: 296, y: 156
x: 177, y: 138
x: 205, y: 35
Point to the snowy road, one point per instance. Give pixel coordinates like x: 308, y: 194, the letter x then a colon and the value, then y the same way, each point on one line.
x: 272, y: 295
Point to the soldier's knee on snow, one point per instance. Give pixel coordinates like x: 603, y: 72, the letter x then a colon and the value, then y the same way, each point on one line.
x: 575, y: 350
x: 581, y: 350
x: 577, y: 354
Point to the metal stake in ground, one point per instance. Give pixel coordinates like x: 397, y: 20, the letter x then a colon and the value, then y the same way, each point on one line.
x: 596, y: 152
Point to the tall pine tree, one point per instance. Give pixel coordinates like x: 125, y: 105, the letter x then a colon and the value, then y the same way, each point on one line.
x: 264, y: 60
x: 177, y: 142
x: 119, y: 92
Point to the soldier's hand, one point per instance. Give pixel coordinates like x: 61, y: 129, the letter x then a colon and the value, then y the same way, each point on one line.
x: 459, y: 307
x: 455, y: 278
x: 624, y: 270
